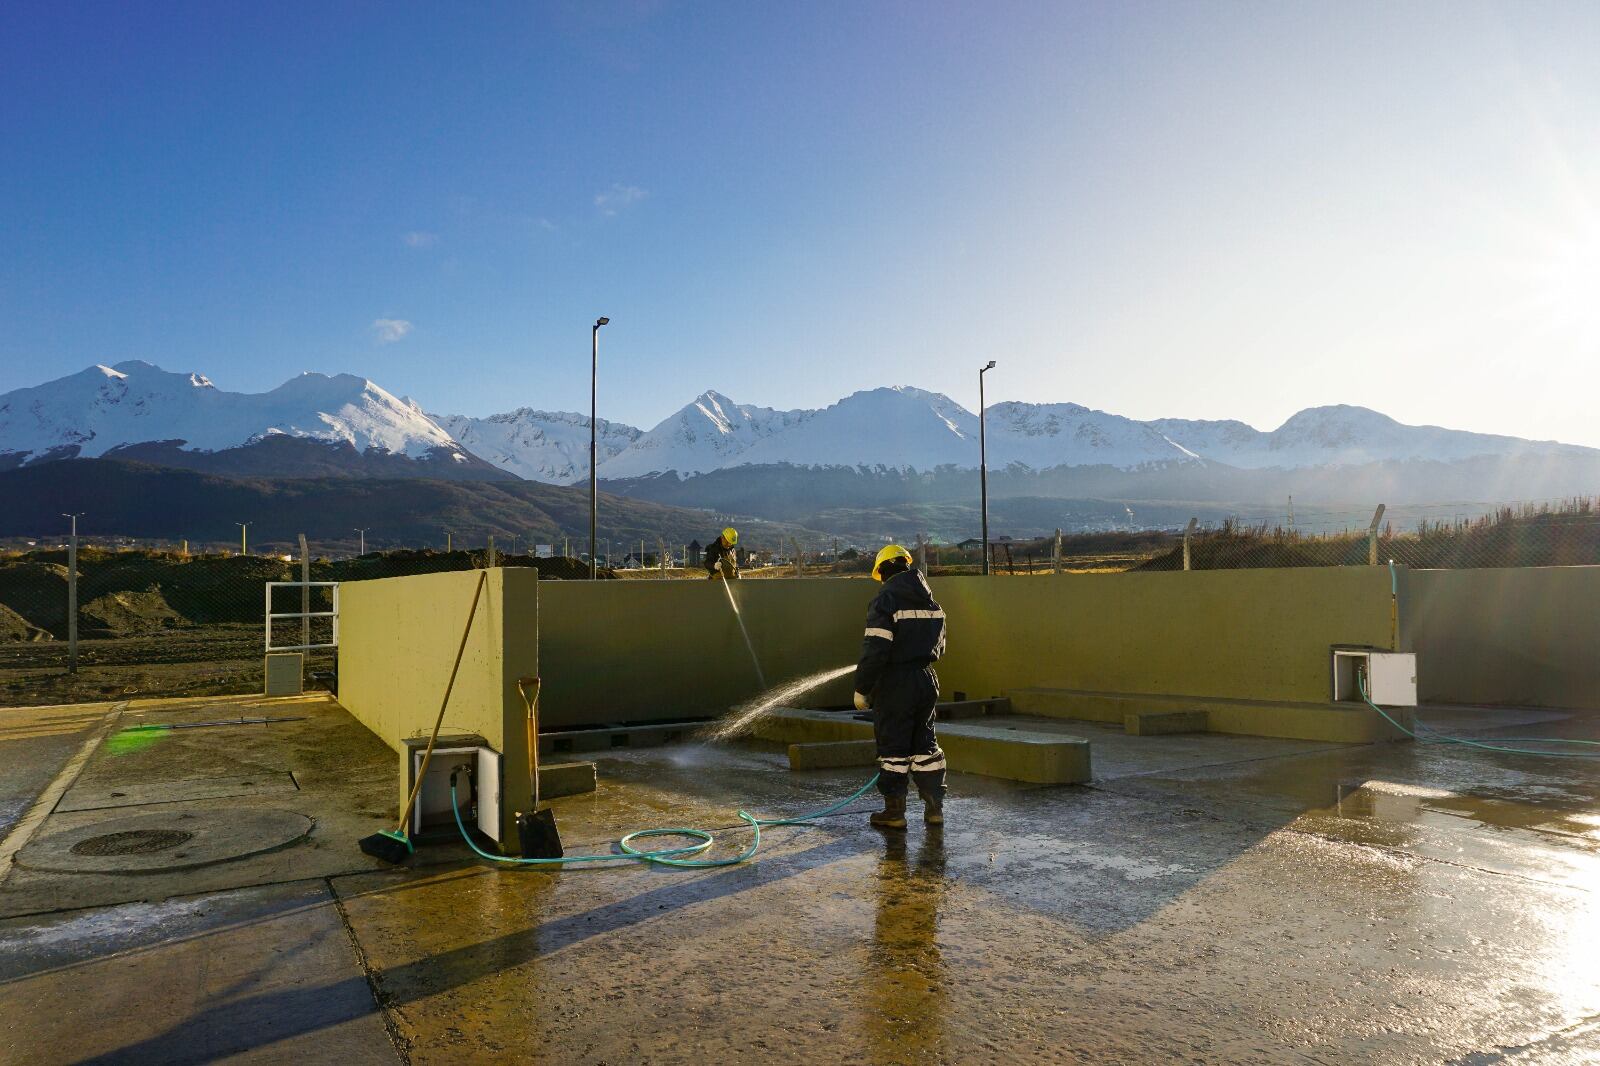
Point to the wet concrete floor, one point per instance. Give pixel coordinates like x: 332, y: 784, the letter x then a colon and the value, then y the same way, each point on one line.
x: 1208, y: 899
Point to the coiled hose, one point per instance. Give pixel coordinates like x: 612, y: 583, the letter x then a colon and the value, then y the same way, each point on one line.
x: 665, y: 856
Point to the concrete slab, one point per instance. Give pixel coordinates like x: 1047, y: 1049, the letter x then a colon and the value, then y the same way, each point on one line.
x: 565, y: 779
x: 263, y: 975
x: 1014, y: 747
x: 1207, y: 899
x: 172, y: 839
x: 832, y: 754
x: 94, y: 797
x: 35, y: 742
x: 1159, y: 723
x: 1341, y: 723
x: 347, y: 789
x: 1040, y: 925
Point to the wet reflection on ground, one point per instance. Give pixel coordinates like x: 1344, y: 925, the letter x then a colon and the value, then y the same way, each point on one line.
x: 905, y: 985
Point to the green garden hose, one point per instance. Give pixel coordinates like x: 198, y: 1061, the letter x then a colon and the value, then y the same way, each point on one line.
x: 665, y: 856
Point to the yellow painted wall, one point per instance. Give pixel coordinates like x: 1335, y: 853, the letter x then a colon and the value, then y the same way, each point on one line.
x: 398, y: 638
x: 638, y: 650
x: 1240, y: 634
x: 1524, y: 636
x: 630, y: 651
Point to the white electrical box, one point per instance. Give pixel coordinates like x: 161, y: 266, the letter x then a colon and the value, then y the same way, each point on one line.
x: 1389, y: 678
x: 432, y: 817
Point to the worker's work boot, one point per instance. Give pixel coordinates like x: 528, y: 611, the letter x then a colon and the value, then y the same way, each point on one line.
x: 933, y: 810
x: 893, y: 815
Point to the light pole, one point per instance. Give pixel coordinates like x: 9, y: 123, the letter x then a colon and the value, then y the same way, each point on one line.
x: 244, y: 537
x: 72, y: 595
x: 363, y: 533
x: 594, y: 477
x: 983, y: 467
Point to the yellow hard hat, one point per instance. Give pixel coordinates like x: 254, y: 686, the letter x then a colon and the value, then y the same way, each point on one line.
x: 891, y: 551
x: 730, y: 535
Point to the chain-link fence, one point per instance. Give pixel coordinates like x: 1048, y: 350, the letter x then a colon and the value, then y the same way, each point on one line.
x: 168, y: 623
x: 156, y: 622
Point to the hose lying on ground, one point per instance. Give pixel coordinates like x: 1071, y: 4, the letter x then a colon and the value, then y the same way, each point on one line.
x: 1426, y: 734
x: 665, y: 856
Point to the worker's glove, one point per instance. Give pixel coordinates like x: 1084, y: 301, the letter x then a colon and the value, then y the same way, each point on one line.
x: 862, y: 703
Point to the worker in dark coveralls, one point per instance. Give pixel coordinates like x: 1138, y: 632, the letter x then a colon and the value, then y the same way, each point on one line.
x: 722, y: 557
x: 895, y: 678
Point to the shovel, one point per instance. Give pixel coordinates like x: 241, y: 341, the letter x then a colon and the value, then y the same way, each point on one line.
x: 536, y: 830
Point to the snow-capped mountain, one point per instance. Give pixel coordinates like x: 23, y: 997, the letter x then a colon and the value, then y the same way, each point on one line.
x: 548, y: 446
x: 317, y: 425
x: 909, y: 429
x: 897, y: 427
x: 708, y: 434
x: 1342, y: 435
x: 1045, y: 435
x: 137, y: 410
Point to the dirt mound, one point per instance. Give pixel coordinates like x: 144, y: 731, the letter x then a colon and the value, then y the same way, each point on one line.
x: 130, y: 613
x: 14, y: 628
x: 37, y: 591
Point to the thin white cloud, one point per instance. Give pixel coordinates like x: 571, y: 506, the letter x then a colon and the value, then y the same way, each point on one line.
x: 389, y: 330
x: 420, y: 239
x: 618, y: 198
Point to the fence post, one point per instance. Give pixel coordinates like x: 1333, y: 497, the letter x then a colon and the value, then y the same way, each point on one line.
x: 922, y: 554
x: 1055, y: 554
x: 661, y: 557
x: 305, y: 594
x: 799, y: 567
x: 488, y: 557
x: 1372, y: 536
x: 1188, y: 531
x: 72, y: 598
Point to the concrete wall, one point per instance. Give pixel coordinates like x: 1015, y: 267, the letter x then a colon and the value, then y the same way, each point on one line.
x: 398, y: 638
x: 634, y: 651
x: 1526, y: 636
x: 1236, y: 634
x: 638, y: 651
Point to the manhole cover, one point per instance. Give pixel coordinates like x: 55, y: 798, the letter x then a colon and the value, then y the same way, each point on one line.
x: 132, y: 842
x: 176, y: 838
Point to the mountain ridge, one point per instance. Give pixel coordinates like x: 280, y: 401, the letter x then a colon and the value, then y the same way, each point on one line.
x: 320, y: 425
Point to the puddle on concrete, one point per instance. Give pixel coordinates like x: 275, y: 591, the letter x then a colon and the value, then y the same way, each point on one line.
x: 1385, y: 801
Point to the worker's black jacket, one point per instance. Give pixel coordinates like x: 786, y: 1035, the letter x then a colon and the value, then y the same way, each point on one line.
x: 905, y: 627
x: 714, y: 553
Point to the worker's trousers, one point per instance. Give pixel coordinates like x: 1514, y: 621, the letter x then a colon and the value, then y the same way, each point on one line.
x: 902, y: 723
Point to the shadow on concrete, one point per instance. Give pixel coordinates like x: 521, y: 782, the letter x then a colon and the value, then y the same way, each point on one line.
x: 270, y: 1017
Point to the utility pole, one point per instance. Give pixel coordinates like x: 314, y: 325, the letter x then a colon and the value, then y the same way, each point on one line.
x: 1188, y: 531
x: 1057, y: 552
x: 1291, y: 514
x: 72, y: 594
x: 363, y: 535
x: 244, y: 537
x: 594, y: 452
x: 983, y: 467
x: 449, y: 543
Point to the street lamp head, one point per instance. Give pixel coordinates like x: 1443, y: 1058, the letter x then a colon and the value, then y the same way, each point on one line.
x: 601, y: 322
x: 989, y: 367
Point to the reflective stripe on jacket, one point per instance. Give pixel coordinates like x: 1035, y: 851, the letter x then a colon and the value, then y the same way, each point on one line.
x: 905, y: 626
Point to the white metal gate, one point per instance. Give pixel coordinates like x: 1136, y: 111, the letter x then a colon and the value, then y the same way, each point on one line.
x: 304, y: 615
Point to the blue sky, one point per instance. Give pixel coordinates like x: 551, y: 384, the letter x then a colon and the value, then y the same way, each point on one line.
x: 1195, y: 210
